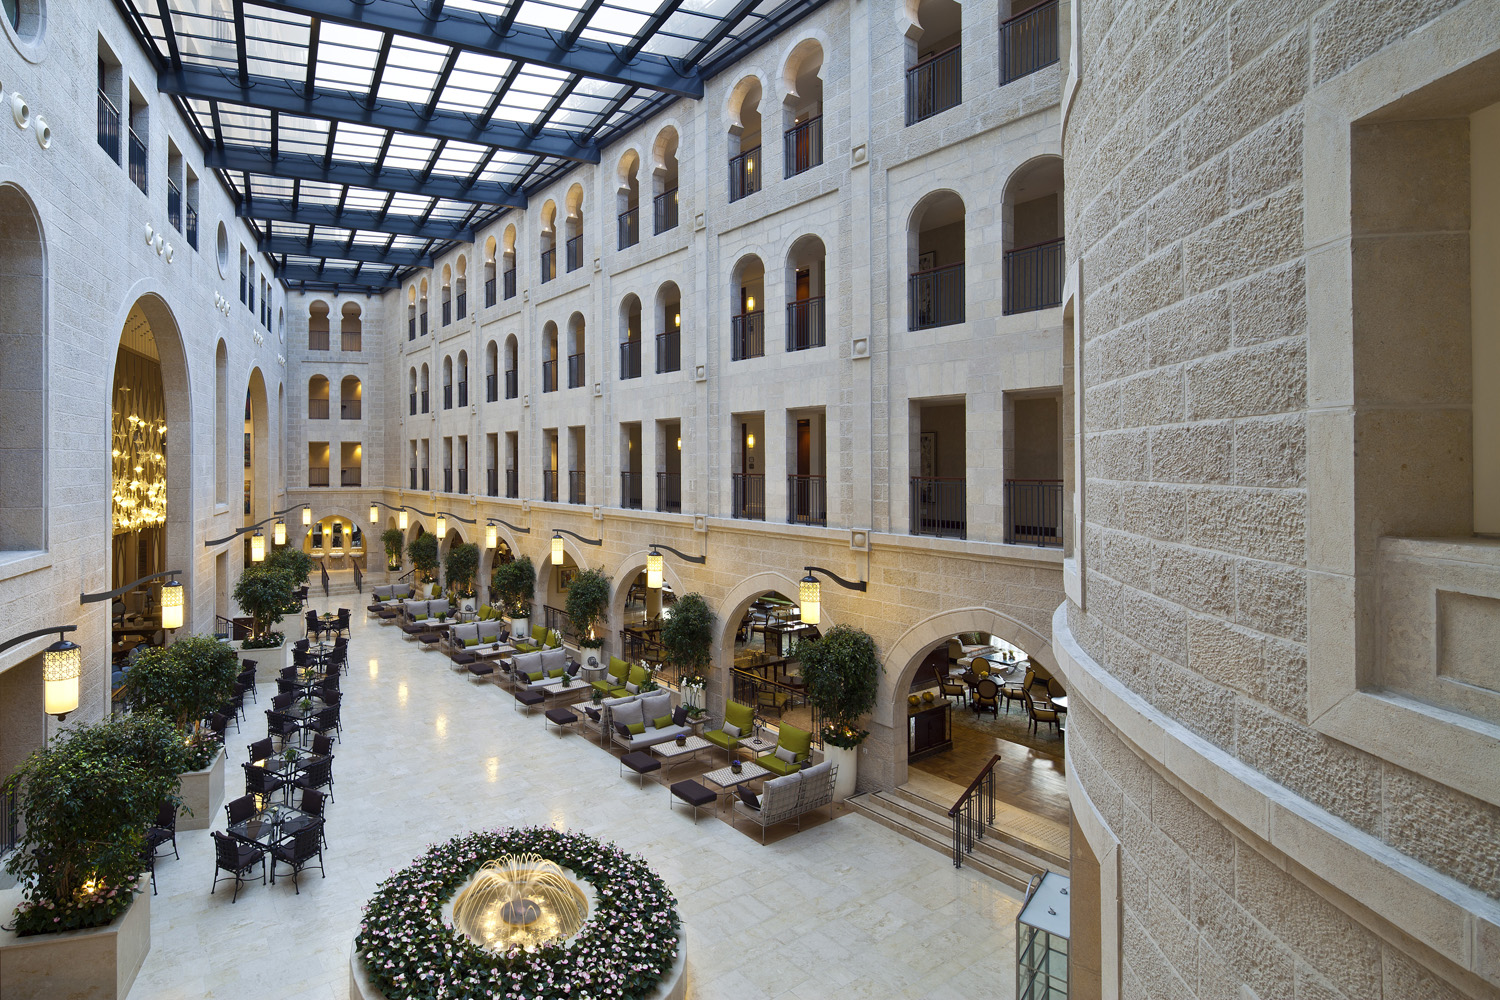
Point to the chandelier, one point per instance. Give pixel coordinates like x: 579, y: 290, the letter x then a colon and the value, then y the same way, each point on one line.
x: 138, y: 462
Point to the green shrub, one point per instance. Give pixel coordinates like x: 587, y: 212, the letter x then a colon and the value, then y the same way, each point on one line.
x: 460, y: 566
x: 513, y: 585
x: 266, y: 594
x: 424, y: 556
x: 842, y: 674
x: 687, y: 635
x: 296, y: 562
x: 395, y: 543
x: 588, y: 600
x: 183, y: 683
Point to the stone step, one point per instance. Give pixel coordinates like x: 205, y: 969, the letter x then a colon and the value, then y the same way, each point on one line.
x: 1025, y: 835
x: 1018, y: 855
x: 985, y: 859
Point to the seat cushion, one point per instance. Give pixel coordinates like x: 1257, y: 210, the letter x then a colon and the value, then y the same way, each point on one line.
x: 742, y: 716
x: 693, y: 793
x: 656, y: 703
x: 721, y: 739
x: 776, y: 765
x: 799, y: 741
x: 817, y: 772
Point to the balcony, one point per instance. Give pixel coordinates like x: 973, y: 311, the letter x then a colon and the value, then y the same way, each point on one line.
x: 192, y: 227
x: 138, y: 172
x: 935, y: 297
x: 934, y: 85
x: 549, y: 376
x: 748, y: 496
x: 174, y: 205
x: 806, y: 500
x: 512, y: 483
x: 351, y: 340
x: 549, y: 485
x: 109, y: 127
x: 317, y: 476
x: 413, y: 477
x: 463, y: 480
x: 669, y: 492
x: 664, y: 211
x: 630, y: 490
x: 510, y: 283
x: 575, y: 253
x: 317, y: 340
x: 802, y: 147
x: 426, y: 483
x: 489, y: 292
x: 463, y: 393
x: 630, y: 228
x: 349, y: 477
x: 804, y: 324
x: 1028, y: 42
x: 744, y: 174
x: 549, y: 265
x: 575, y: 370
x: 1034, y: 277
x: 630, y: 359
x: 350, y: 409
x: 577, y: 487
x: 317, y: 409
x: 492, y: 482
x: 747, y: 336
x: 512, y: 384
x: 447, y: 397
x: 425, y: 407
x: 414, y: 404
x: 1035, y: 512
x: 411, y: 328
x: 938, y: 507
x: 462, y: 302
x: 447, y: 313
x: 669, y: 351
x: 491, y: 387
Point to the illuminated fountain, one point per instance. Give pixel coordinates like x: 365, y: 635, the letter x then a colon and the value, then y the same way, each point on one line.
x: 519, y: 900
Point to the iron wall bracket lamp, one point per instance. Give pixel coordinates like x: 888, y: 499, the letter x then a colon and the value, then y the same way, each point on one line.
x: 62, y: 665
x: 306, y: 520
x: 695, y: 560
x: 512, y: 527
x: 654, y: 564
x: 109, y: 595
x: 810, y: 593
x: 557, y: 543
x: 859, y: 585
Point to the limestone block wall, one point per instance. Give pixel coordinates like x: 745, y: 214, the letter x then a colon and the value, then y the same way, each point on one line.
x: 1270, y: 799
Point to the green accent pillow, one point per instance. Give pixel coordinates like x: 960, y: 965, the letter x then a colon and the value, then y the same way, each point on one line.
x: 471, y: 642
x: 662, y: 721
x: 636, y: 728
x: 537, y: 676
x: 419, y: 618
x: 557, y: 671
x: 799, y: 741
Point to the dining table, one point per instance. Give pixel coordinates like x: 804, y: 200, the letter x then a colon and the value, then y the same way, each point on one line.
x: 271, y: 826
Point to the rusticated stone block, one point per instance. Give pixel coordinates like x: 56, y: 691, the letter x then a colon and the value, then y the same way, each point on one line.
x: 1271, y: 305
x: 1342, y: 780
x: 1193, y: 453
x: 1158, y: 979
x: 1403, y: 979
x: 1253, y: 95
x: 1272, y: 599
x: 1193, y: 328
x: 1253, y: 955
x: 1350, y: 30
x: 1261, y: 235
x: 1266, y: 378
x: 1200, y: 579
x: 1271, y: 451
x: 1441, y: 827
x: 1262, y: 524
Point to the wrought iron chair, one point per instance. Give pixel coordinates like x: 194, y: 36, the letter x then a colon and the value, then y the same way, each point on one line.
x: 240, y: 809
x: 163, y: 831
x: 318, y: 776
x: 237, y: 859
x: 305, y: 845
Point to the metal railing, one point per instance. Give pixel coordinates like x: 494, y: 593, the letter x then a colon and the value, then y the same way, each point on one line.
x: 447, y: 312
x: 138, y: 161
x: 630, y: 227
x: 462, y: 304
x: 549, y: 376
x: 512, y: 384
x: 492, y: 387
x: 939, y: 506
x: 447, y: 480
x: 744, y: 174
x: 1028, y: 42
x: 411, y: 328
x: 549, y: 485
x: 512, y: 483
x: 423, y: 324
x: 192, y: 227
x: 425, y: 406
x: 349, y: 477
x: 510, y: 283
x: 669, y: 351
x: 804, y: 324
x: 664, y: 210
x: 577, y: 486
x: 317, y: 340
x: 668, y: 491
x: 575, y: 253
x: 414, y: 404
x: 492, y: 482
x: 973, y: 812
x: 758, y: 687
x: 317, y: 477
x: 463, y: 393
x: 934, y: 85
x: 1034, y: 509
x: 747, y: 336
x: 426, y: 479
x: 413, y: 477
x: 174, y: 205
x: 489, y: 292
x: 463, y: 480
x: 630, y: 490
x: 575, y: 370
x: 1034, y: 277
x: 448, y: 397
x: 351, y: 340
x: 806, y: 500
x: 351, y: 409
x: 557, y: 619
x: 935, y: 297
x: 317, y: 409
x: 549, y: 265
x: 802, y: 147
x: 748, y: 495
x: 630, y: 359
x: 109, y: 127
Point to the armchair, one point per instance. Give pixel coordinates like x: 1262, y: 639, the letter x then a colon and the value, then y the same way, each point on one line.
x: 738, y: 720
x: 792, y: 743
x: 612, y: 685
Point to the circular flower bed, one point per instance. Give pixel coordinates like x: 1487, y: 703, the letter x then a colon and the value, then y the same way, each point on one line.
x: 628, y: 944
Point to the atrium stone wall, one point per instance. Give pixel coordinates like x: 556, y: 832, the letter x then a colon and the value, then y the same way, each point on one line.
x: 1273, y: 801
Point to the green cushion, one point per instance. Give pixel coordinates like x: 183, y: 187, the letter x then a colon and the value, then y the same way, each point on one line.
x: 471, y: 642
x: 618, y: 692
x: 777, y: 766
x: 637, y: 675
x: 539, y: 634
x: 662, y: 721
x: 721, y: 739
x: 636, y: 728
x: 799, y: 741
x: 619, y: 669
x: 525, y: 647
x: 742, y: 716
x: 557, y: 671
x: 419, y: 618
x: 537, y: 676
x: 601, y: 685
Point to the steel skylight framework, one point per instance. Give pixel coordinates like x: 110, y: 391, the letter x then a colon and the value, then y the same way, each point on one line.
x: 363, y: 137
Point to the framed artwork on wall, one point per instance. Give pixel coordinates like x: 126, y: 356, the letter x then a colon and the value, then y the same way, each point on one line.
x: 565, y: 577
x: 927, y: 261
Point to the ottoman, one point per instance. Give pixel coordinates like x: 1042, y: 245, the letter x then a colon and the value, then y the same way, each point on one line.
x: 693, y: 794
x: 561, y: 718
x: 641, y: 763
x: 481, y: 669
x: 529, y: 698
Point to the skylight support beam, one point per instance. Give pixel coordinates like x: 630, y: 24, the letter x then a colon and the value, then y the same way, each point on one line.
x: 318, y: 274
x: 353, y: 218
x: 306, y: 167
x: 721, y: 31
x: 336, y: 250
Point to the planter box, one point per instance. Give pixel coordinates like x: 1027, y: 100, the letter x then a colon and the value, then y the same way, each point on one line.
x: 847, y: 759
x: 270, y: 659
x: 97, y: 964
x: 203, y: 793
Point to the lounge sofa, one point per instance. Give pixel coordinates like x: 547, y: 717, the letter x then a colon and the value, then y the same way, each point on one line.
x: 415, y: 615
x: 739, y: 721
x: 788, y: 797
x: 386, y: 597
x: 638, y: 722
x: 543, y: 670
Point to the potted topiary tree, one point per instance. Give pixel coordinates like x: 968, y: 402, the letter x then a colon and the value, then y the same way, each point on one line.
x: 841, y: 672
x: 588, y: 598
x: 395, y: 542
x: 460, y: 566
x: 513, y: 585
x: 296, y: 562
x: 424, y: 557
x: 687, y: 635
x: 86, y: 801
x: 185, y: 683
x: 266, y: 593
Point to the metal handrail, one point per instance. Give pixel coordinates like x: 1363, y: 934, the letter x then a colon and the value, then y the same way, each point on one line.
x: 974, y: 810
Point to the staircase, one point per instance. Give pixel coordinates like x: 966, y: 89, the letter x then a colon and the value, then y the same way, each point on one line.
x: 1019, y: 845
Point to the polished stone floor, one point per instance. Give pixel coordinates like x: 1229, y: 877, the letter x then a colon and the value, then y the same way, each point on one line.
x: 847, y: 907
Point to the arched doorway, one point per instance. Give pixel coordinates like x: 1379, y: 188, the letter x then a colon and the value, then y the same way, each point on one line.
x: 637, y: 612
x: 759, y: 632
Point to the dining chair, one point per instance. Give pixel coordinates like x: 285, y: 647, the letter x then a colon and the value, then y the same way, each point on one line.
x: 312, y: 803
x: 305, y: 845
x: 282, y: 702
x: 163, y: 831
x: 1039, y: 712
x: 236, y: 858
x: 240, y: 809
x: 1018, y: 692
x: 281, y: 725
x: 953, y: 687
x: 261, y: 749
x: 247, y: 678
x: 987, y: 697
x: 261, y: 782
x: 322, y: 744
x: 318, y: 776
x: 328, y: 720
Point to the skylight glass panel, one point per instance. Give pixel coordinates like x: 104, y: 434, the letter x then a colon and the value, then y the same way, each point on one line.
x: 346, y: 57
x: 412, y: 71
x: 365, y: 199
x: 617, y: 23
x: 303, y: 135
x: 411, y: 152
x: 555, y: 14
x: 276, y: 44
x: 473, y: 81
x: 358, y: 143
x: 459, y: 159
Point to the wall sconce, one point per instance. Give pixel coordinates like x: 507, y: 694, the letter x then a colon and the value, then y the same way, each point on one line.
x: 441, y: 526
x: 677, y: 320
x: 679, y: 442
x: 374, y: 513
x: 306, y: 517
x: 491, y: 536
x: 257, y: 547
x: 809, y: 593
x: 171, y: 604
x: 401, y: 520
x: 749, y: 440
x: 750, y: 303
x: 557, y: 549
x: 654, y: 564
x: 62, y: 665
x: 279, y: 532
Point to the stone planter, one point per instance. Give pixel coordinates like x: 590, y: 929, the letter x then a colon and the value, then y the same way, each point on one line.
x: 271, y: 659
x: 97, y: 964
x: 203, y: 793
x: 847, y: 760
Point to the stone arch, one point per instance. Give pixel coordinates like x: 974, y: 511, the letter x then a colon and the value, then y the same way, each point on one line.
x: 545, y: 569
x: 735, y: 603
x: 23, y: 370
x: 487, y: 555
x: 751, y: 84
x: 258, y: 398
x: 626, y: 570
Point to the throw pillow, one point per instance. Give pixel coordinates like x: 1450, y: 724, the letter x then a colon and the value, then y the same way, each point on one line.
x: 536, y: 676
x: 748, y: 797
x: 632, y: 688
x: 783, y: 754
x: 622, y: 729
x: 732, y: 730
x: 471, y: 642
x: 556, y: 672
x: 636, y: 728
x: 662, y: 721
x: 592, y: 713
x: 679, y: 716
x: 573, y: 669
x: 419, y: 618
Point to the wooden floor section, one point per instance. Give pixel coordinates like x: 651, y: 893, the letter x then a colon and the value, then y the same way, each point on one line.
x: 1025, y: 780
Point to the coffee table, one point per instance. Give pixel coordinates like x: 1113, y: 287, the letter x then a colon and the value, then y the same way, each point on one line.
x: 756, y: 745
x: 727, y: 779
x: 672, y: 754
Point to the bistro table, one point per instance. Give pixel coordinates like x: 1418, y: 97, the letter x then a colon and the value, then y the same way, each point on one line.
x: 271, y: 826
x: 673, y: 754
x: 726, y: 779
x: 756, y: 745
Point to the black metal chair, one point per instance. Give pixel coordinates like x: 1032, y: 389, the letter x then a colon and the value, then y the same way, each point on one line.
x: 231, y: 713
x: 259, y: 781
x: 218, y: 723
x: 282, y: 702
x: 298, y: 853
x: 318, y: 776
x: 247, y: 678
x: 281, y: 726
x: 236, y: 858
x: 240, y: 809
x: 322, y: 744
x: 163, y: 831
x: 312, y: 804
x: 261, y: 749
x: 341, y: 624
x: 327, y: 721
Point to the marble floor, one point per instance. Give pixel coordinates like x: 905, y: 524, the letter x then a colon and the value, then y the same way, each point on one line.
x: 845, y: 906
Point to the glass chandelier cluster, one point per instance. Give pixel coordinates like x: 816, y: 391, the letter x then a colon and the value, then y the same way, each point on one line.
x: 139, y: 467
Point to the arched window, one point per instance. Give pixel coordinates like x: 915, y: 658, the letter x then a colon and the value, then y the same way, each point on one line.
x: 549, y: 241
x: 425, y: 389
x: 1033, y: 226
x: 630, y: 337
x: 805, y: 322
x: 317, y: 397
x: 744, y: 139
x: 802, y: 110
x: 351, y: 329
x: 576, y: 345
x: 934, y: 79
x: 512, y: 367
x: 490, y: 291
x: 422, y: 309
x: 668, y: 328
x: 747, y: 321
x: 411, y: 313
x: 575, y: 227
x: 628, y: 200
x: 413, y: 391
x: 509, y: 262
x: 447, y: 295
x: 549, y: 357
x: 463, y: 379
x: 448, y: 383
x: 461, y: 288
x: 935, y: 261
x: 491, y: 372
x: 317, y: 326
x: 351, y: 398
x: 664, y: 181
